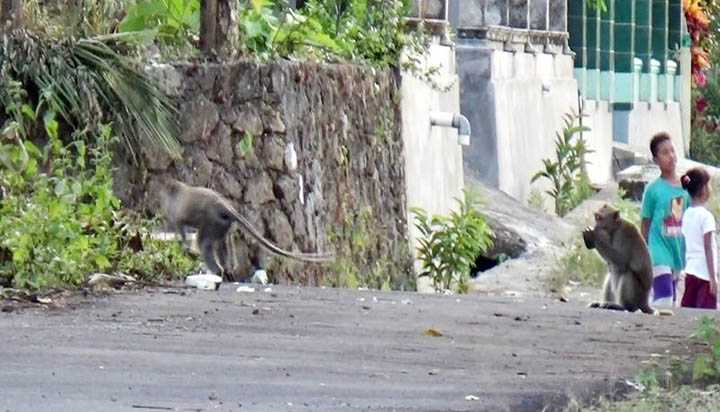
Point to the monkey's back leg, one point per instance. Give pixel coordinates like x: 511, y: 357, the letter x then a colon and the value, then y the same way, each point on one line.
x: 634, y: 294
x: 207, y: 244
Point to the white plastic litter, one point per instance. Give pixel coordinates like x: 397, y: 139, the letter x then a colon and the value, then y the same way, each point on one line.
x: 260, y: 276
x: 246, y: 289
x: 204, y: 281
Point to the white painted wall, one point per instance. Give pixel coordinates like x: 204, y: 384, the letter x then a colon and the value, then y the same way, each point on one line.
x: 646, y: 119
x: 526, y: 96
x: 433, y: 157
x: 598, y: 118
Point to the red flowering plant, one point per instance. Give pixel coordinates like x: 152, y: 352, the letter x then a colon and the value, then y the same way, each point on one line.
x: 698, y: 24
x: 703, y: 22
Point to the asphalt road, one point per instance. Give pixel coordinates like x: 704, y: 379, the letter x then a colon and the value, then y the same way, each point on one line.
x: 316, y: 349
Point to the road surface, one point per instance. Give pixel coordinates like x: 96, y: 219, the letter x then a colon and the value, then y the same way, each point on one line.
x: 315, y: 349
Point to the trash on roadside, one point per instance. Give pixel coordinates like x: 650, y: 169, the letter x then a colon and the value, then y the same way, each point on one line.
x: 472, y: 398
x: 247, y: 289
x: 635, y: 385
x: 103, y: 280
x: 204, y: 281
x: 260, y: 276
x: 432, y: 332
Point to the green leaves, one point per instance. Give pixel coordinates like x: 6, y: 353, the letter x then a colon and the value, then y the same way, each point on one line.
x: 362, y: 31
x: 86, y: 83
x: 245, y: 146
x: 598, y: 5
x: 58, y: 226
x: 567, y: 175
x: 450, y: 244
x: 707, y: 366
x: 173, y: 21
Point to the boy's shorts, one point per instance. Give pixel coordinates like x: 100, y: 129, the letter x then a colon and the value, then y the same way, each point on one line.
x: 664, y: 286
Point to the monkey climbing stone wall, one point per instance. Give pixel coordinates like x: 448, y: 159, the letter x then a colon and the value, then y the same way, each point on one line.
x: 238, y: 121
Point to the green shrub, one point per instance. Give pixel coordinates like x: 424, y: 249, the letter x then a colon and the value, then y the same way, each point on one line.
x: 567, y: 174
x: 578, y: 264
x: 174, y: 22
x: 58, y: 212
x: 706, y: 367
x: 450, y: 244
x: 59, y: 218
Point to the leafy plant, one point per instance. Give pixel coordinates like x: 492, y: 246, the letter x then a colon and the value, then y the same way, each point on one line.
x: 368, y: 31
x: 149, y: 259
x: 245, y: 146
x: 578, y: 264
x: 175, y: 22
x: 357, y: 242
x: 57, y: 225
x: 705, y: 142
x: 86, y: 83
x: 598, y: 5
x: 268, y: 30
x: 536, y: 200
x: 59, y: 218
x: 72, y: 18
x: 567, y: 173
x: 362, y: 31
x: 450, y: 244
x: 707, y: 366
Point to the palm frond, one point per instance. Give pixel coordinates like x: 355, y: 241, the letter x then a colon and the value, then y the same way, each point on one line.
x: 88, y: 82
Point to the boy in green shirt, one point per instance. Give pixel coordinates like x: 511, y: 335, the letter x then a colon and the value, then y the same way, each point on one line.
x: 663, y: 205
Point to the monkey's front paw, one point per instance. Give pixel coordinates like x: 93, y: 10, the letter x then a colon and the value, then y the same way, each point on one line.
x: 595, y: 305
x: 589, y: 237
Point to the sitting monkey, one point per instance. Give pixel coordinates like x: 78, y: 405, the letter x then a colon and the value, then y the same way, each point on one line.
x: 628, y: 283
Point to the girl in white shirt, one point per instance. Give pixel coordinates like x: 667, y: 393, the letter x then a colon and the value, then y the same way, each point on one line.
x: 698, y: 228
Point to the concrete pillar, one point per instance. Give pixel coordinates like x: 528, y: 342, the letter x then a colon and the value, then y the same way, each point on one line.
x: 669, y: 82
x: 637, y: 69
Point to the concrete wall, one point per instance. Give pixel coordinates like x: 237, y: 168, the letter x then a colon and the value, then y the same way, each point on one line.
x: 646, y: 119
x: 515, y: 102
x: 598, y: 117
x: 433, y: 157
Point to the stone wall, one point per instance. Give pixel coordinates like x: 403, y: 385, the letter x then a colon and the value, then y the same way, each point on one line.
x: 347, y: 194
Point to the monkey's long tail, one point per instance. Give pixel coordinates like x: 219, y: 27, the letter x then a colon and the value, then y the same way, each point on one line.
x: 307, y: 257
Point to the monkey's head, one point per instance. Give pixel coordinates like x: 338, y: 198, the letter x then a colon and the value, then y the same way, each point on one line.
x: 607, y: 218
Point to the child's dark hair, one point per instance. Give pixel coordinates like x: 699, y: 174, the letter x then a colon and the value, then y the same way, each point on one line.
x: 657, y: 139
x: 695, y: 180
